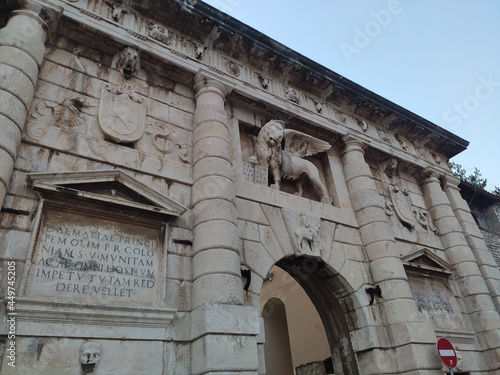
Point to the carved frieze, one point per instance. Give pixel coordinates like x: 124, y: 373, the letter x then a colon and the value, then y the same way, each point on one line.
x: 122, y: 113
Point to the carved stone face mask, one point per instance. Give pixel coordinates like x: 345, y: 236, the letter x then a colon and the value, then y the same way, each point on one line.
x: 90, y: 355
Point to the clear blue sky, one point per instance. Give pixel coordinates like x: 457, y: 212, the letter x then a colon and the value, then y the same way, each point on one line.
x: 438, y: 59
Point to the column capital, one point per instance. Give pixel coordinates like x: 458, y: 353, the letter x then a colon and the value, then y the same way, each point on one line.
x: 205, y: 79
x: 451, y: 181
x: 430, y: 174
x: 354, y: 142
x: 47, y: 15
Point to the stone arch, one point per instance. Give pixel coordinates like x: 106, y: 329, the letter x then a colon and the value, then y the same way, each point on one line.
x: 327, y: 260
x: 333, y: 298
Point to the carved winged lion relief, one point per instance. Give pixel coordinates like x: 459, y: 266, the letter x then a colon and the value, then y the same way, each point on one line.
x: 288, y: 162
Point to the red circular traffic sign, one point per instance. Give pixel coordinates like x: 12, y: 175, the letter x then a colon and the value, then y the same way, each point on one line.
x: 447, y: 353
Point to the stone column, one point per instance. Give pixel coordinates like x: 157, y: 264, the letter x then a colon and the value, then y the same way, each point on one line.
x: 408, y: 333
x: 22, y: 48
x: 474, y: 237
x: 224, y: 331
x: 475, y: 293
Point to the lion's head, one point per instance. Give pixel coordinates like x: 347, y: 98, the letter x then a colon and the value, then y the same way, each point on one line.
x: 273, y: 132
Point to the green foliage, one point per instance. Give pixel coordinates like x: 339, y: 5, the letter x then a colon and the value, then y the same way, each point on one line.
x: 474, y: 178
x: 496, y: 190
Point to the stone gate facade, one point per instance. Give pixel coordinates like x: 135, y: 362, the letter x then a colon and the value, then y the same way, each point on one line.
x: 157, y: 158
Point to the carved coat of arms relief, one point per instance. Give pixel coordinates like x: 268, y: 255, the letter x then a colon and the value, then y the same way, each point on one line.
x: 122, y: 113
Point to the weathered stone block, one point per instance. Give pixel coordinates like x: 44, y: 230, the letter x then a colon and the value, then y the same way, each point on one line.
x: 17, y: 83
x: 212, y: 147
x: 210, y: 166
x: 368, y: 338
x: 158, y: 110
x: 250, y: 211
x: 257, y: 258
x: 177, y: 359
x: 178, y: 295
x: 215, y: 209
x: 387, y: 269
x: 347, y: 235
x: 15, y: 244
x: 211, y: 129
x: 179, y: 267
x: 219, y: 353
x: 221, y: 288
x: 73, y: 61
x: 22, y: 60
x: 212, y: 187
x: 248, y: 230
x: 376, y: 231
x: 180, y: 118
x: 184, y: 90
x: 216, y: 261
x: 12, y: 108
x: 215, y: 234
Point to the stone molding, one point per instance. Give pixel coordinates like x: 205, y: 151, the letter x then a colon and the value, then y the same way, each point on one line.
x: 46, y: 318
x: 55, y: 181
x: 208, y: 80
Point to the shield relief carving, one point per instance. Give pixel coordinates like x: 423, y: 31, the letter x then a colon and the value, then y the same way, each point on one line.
x: 122, y: 114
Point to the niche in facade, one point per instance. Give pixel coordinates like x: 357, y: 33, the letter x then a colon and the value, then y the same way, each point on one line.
x: 287, y: 160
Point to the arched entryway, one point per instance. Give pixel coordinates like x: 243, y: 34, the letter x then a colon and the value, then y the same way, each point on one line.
x: 325, y: 326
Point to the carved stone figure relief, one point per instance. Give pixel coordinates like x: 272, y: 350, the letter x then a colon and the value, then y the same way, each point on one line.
x: 122, y: 113
x: 128, y: 62
x: 292, y: 95
x: 303, y: 230
x: 170, y: 142
x: 423, y: 218
x: 117, y: 13
x: 90, y: 355
x: 160, y: 34
x: 67, y: 115
x: 288, y: 162
x: 402, y: 142
x: 384, y: 136
x: 362, y: 124
x: 264, y: 82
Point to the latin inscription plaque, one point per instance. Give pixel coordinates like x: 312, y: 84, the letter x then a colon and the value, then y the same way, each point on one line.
x: 433, y: 300
x: 84, y: 258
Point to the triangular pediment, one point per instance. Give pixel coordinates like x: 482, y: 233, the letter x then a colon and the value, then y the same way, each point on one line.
x: 426, y: 261
x: 112, y: 187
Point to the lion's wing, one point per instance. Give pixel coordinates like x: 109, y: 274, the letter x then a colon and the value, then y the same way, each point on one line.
x: 301, y: 145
